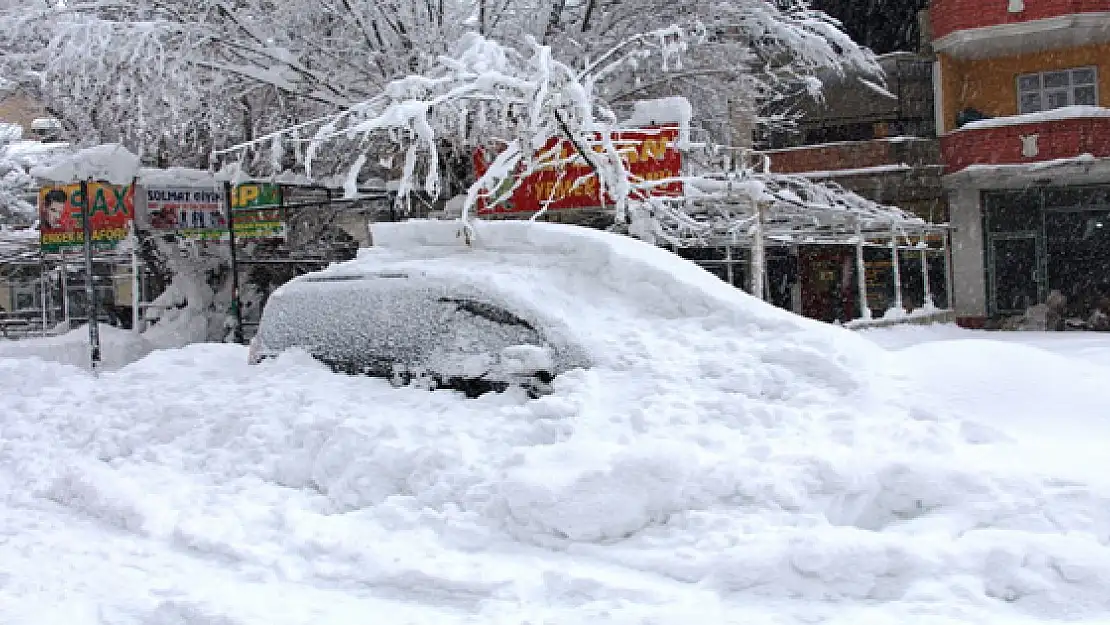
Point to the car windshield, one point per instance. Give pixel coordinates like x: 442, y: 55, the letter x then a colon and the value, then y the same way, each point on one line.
x: 376, y: 322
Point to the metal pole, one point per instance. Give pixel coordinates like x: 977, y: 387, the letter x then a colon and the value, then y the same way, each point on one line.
x: 90, y: 286
x: 235, y: 310
x: 896, y: 268
x: 861, y: 276
x: 728, y: 264
x: 65, y: 287
x: 42, y: 290
x: 926, y: 303
x: 949, y: 299
x: 136, y: 287
x: 758, y: 257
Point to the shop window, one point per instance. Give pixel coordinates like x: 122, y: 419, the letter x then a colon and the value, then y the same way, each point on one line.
x: 1018, y: 211
x: 860, y: 131
x: 879, y: 271
x: 697, y: 254
x: 1077, y: 197
x: 1078, y: 244
x: 728, y: 265
x: 1051, y: 90
x: 25, y: 297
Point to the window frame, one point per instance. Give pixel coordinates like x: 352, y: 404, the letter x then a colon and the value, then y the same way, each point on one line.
x: 1043, y: 93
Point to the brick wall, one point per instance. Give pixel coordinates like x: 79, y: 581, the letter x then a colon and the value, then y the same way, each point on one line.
x: 948, y: 16
x: 1003, y: 145
x: 854, y: 155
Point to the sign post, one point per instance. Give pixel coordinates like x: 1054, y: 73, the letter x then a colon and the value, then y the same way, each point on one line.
x: 90, y: 286
x: 42, y: 290
x: 136, y: 283
x: 861, y: 275
x: 65, y: 287
x: 759, y: 254
x: 235, y: 308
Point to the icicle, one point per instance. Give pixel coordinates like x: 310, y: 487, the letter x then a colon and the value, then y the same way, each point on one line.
x: 314, y: 145
x: 350, y: 184
x: 298, y: 148
x: 463, y: 113
x: 277, y: 150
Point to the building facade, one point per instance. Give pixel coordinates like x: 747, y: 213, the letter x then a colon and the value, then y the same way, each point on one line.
x: 1022, y: 94
x: 879, y: 141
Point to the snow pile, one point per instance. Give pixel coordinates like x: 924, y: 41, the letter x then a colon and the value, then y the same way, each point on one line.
x: 1088, y: 347
x: 1052, y: 419
x: 721, y: 461
x: 1052, y: 115
x: 117, y: 347
x: 31, y: 154
x: 672, y: 111
x: 174, y: 317
x: 177, y: 177
x: 111, y: 163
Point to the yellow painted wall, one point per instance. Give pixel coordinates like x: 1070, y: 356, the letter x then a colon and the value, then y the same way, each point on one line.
x: 990, y: 85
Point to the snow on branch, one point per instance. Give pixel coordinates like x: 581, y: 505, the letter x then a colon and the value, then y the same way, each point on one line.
x: 512, y: 104
x: 485, y: 95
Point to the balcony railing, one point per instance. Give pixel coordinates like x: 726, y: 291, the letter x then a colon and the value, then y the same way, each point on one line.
x: 1025, y: 140
x: 949, y: 16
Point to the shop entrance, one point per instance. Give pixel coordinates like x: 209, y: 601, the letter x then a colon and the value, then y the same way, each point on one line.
x: 1078, y: 243
x: 1015, y: 272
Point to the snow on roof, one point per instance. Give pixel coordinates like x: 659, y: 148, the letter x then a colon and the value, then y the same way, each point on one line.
x: 32, y: 154
x: 17, y: 241
x: 1065, y: 112
x: 110, y: 162
x: 833, y: 144
x: 526, y: 257
x: 177, y: 176
x: 663, y: 111
x: 45, y: 123
x: 877, y: 88
x: 859, y: 171
x: 10, y: 132
x: 1082, y: 159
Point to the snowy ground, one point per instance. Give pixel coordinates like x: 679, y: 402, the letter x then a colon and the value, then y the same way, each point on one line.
x: 724, y: 464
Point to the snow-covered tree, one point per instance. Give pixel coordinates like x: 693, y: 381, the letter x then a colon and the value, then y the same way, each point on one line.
x: 14, y: 182
x: 178, y: 77
x: 411, y: 88
x: 516, y: 102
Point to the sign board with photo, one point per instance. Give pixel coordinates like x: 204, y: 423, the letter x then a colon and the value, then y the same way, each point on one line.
x: 198, y: 213
x: 111, y: 209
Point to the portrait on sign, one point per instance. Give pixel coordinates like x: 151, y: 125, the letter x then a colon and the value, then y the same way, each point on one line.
x: 110, y: 209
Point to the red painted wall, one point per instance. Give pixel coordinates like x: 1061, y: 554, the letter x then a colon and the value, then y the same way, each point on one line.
x: 948, y: 16
x: 1002, y: 146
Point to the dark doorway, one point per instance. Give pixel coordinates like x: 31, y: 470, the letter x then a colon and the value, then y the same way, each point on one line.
x: 1015, y: 275
x: 1078, y: 245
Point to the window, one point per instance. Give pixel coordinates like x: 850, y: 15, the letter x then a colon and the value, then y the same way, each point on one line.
x: 1052, y: 90
x: 25, y: 296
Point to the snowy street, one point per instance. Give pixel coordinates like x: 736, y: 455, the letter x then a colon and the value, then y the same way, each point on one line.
x: 621, y: 312
x: 723, y: 462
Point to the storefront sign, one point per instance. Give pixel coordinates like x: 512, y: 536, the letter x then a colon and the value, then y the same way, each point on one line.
x: 191, y: 212
x: 257, y: 211
x: 197, y: 213
x: 567, y: 181
x: 111, y: 209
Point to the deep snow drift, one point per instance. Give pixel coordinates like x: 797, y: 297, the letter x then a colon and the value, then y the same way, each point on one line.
x: 118, y: 347
x: 721, y: 462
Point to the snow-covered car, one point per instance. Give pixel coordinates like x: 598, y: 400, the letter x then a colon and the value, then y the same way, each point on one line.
x: 419, y: 327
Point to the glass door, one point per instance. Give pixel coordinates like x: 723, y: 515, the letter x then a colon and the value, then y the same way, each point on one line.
x: 1015, y: 272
